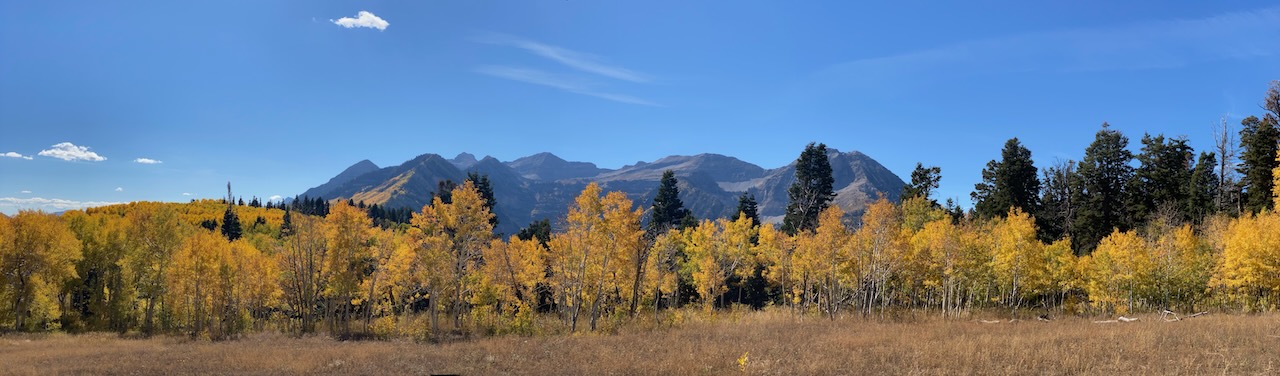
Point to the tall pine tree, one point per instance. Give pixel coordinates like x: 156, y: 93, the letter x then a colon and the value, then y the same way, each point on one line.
x: 747, y: 206
x: 1013, y: 181
x: 1104, y: 174
x: 811, y: 192
x: 230, y: 221
x: 667, y: 210
x: 482, y: 184
x: 923, y: 182
x: 1258, y: 138
x: 1160, y: 182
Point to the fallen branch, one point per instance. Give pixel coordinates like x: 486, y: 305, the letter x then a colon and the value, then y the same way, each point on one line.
x: 990, y: 321
x: 1117, y: 320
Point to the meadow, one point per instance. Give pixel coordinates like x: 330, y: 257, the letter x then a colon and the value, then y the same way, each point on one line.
x: 764, y: 343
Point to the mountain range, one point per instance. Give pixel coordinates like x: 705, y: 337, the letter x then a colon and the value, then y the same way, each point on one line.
x: 543, y: 185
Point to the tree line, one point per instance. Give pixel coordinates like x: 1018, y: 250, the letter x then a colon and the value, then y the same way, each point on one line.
x: 158, y: 268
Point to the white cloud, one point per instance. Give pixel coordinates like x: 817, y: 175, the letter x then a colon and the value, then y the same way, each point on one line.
x: 186, y: 193
x: 578, y: 60
x: 119, y: 189
x: 274, y: 198
x: 15, y: 155
x: 70, y: 152
x: 363, y: 19
x: 25, y: 192
x: 12, y: 204
x: 538, y: 77
x: 147, y: 161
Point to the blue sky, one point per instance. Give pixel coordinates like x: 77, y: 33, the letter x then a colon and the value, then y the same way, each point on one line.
x: 279, y: 96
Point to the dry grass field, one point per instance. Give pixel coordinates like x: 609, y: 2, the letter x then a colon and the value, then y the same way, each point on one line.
x: 774, y: 343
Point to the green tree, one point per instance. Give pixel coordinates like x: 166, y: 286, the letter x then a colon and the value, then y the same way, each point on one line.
x: 1013, y: 181
x: 486, y: 192
x: 1058, y: 201
x: 747, y: 207
x: 811, y: 192
x: 1203, y: 188
x: 923, y: 182
x: 667, y: 210
x: 1160, y: 181
x: 1258, y: 138
x: 1104, y: 173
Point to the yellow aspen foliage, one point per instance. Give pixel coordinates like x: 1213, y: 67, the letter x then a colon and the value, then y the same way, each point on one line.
x: 585, y: 257
x: 254, y: 278
x: 37, y: 255
x: 1120, y: 272
x: 302, y: 269
x: 348, y: 232
x: 1062, y: 270
x: 623, y: 234
x: 1249, y: 268
x: 717, y: 251
x: 832, y: 264
x: 390, y: 283
x: 664, y: 267
x: 154, y: 233
x: 194, y: 290
x: 937, y: 249
x: 1183, y: 264
x: 774, y: 250
x: 1018, y: 259
x: 511, y: 271
x: 878, y: 244
x: 1275, y: 183
x: 463, y: 228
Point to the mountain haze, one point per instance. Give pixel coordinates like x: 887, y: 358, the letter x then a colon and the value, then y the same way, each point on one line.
x: 543, y: 185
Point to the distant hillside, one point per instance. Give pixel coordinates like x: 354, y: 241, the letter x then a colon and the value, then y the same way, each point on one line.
x: 543, y: 185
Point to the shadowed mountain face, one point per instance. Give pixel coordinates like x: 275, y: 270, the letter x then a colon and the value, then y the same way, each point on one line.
x: 543, y: 185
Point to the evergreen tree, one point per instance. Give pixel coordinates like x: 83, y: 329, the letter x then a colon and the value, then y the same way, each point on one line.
x: 481, y: 182
x: 286, y: 224
x: 923, y: 182
x: 1160, y: 182
x: 1011, y: 182
x: 540, y: 230
x: 1203, y: 188
x: 667, y: 210
x: 1258, y: 138
x: 1104, y: 174
x: 230, y: 221
x: 811, y: 192
x: 747, y: 206
x: 1058, y: 201
x: 444, y: 190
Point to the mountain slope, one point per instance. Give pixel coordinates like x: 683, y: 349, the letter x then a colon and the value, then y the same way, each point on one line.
x: 543, y: 185
x: 349, y: 174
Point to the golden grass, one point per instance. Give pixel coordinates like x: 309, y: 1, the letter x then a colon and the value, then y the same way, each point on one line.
x: 776, y: 343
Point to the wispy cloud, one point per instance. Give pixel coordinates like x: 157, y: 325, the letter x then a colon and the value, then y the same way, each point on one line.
x: 274, y: 198
x: 362, y: 19
x: 568, y: 84
x: 70, y: 152
x: 1147, y: 45
x: 186, y: 193
x: 119, y: 189
x: 577, y: 60
x: 47, y: 204
x: 25, y: 192
x: 15, y: 155
x: 147, y: 161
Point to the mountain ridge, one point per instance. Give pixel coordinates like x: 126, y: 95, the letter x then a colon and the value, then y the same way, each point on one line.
x: 543, y: 185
